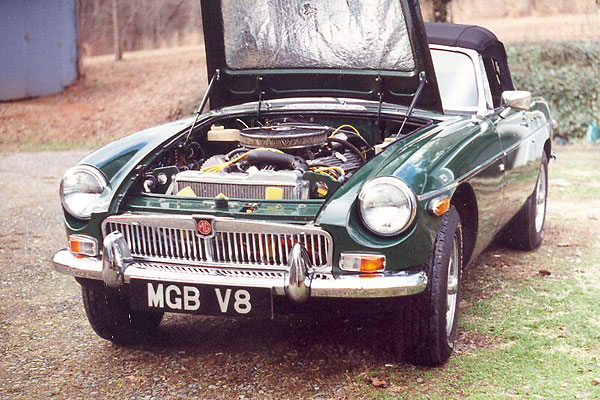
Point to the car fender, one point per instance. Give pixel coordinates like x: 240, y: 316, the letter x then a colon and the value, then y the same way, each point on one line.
x: 432, y: 162
x: 117, y: 160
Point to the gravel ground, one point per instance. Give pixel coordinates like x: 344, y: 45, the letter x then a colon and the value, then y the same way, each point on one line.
x: 328, y: 350
x: 48, y: 349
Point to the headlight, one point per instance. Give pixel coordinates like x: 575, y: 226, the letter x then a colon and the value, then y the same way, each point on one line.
x: 387, y: 205
x: 80, y: 188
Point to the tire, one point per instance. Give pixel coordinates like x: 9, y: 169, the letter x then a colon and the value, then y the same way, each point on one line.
x: 526, y: 230
x: 111, y: 317
x: 427, y: 334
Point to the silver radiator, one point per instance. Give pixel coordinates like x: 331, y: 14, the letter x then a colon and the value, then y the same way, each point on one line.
x: 249, y: 185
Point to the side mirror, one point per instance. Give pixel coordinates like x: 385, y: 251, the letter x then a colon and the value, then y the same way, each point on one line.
x: 517, y: 99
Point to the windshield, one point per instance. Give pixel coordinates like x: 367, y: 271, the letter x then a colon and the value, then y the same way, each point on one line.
x: 457, y: 80
x: 344, y: 34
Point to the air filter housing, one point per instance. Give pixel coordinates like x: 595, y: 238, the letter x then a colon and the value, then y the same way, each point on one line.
x: 284, y: 136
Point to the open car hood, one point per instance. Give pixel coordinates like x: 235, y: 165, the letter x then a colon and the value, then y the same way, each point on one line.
x: 267, y: 49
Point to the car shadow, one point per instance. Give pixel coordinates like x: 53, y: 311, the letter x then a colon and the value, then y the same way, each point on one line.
x: 324, y: 333
x: 327, y: 334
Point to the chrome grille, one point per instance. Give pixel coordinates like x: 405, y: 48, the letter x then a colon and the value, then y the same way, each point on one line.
x: 246, y: 244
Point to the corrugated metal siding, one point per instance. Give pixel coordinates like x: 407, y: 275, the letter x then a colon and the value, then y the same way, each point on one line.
x: 38, y: 47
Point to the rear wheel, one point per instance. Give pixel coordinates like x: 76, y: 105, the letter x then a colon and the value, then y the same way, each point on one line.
x: 112, y: 318
x: 526, y: 230
x: 428, y: 331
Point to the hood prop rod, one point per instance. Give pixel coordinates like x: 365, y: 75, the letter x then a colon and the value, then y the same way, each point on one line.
x: 379, y: 85
x: 413, y: 103
x: 211, y: 84
x: 261, y: 93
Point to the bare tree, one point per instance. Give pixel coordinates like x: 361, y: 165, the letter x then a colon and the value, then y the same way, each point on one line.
x: 528, y: 6
x: 440, y: 10
x: 116, y: 31
x: 139, y: 24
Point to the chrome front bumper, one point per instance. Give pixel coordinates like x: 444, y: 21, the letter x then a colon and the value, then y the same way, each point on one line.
x: 298, y: 283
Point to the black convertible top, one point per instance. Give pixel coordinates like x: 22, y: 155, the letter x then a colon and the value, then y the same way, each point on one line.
x: 485, y: 43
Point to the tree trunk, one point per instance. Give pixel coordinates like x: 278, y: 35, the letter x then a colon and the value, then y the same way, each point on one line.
x: 440, y: 10
x: 116, y: 33
x: 528, y: 6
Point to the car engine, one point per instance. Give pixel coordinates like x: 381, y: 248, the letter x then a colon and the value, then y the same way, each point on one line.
x: 274, y: 162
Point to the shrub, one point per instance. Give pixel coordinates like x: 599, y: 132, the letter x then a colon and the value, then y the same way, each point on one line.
x: 566, y: 74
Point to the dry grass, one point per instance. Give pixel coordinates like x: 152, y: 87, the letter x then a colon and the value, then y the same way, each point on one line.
x: 534, y: 29
x: 111, y: 100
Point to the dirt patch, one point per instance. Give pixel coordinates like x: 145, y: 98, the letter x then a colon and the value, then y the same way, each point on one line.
x: 470, y: 341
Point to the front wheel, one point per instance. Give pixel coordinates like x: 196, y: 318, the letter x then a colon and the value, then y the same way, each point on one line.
x: 427, y: 334
x: 111, y: 317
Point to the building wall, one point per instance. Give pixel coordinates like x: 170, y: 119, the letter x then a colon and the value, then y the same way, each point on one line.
x: 38, y: 47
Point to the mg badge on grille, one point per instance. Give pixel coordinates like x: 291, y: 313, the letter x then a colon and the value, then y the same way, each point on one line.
x: 204, y: 227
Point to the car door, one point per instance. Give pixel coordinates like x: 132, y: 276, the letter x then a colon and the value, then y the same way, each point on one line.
x: 488, y: 183
x: 464, y: 89
x: 521, y: 160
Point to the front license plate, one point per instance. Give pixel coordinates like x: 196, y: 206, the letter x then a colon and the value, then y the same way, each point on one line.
x: 201, y: 299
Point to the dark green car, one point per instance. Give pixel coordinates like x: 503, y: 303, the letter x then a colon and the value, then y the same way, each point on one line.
x: 350, y: 151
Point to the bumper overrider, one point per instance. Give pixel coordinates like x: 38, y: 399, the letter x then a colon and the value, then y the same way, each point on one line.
x: 298, y: 280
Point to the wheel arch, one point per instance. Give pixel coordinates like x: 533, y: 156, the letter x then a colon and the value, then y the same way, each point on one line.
x: 548, y: 149
x: 466, y: 204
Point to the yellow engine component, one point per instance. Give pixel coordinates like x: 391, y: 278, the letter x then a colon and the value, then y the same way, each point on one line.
x: 274, y: 193
x: 186, y: 192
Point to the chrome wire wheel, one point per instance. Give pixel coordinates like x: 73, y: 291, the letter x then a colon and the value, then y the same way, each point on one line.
x: 540, y: 200
x: 452, y: 289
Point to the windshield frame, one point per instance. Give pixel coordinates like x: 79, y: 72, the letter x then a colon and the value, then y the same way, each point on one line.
x: 484, y: 104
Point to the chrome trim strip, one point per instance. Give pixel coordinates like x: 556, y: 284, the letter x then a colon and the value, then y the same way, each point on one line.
x: 475, y: 171
x: 323, y: 284
x: 438, y: 192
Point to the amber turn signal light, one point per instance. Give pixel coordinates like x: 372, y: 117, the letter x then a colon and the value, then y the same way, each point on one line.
x: 81, y: 245
x: 440, y: 206
x: 361, y: 262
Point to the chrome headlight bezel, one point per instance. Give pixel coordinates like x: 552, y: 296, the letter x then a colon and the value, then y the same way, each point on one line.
x: 98, y: 180
x: 402, y: 189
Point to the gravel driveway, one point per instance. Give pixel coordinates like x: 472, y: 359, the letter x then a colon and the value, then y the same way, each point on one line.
x: 48, y: 348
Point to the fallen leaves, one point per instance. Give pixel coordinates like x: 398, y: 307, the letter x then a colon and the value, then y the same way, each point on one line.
x: 378, y: 383
x: 136, y: 378
x: 596, y: 381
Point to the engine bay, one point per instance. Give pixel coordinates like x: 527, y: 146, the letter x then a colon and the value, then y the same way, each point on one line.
x: 281, y: 159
